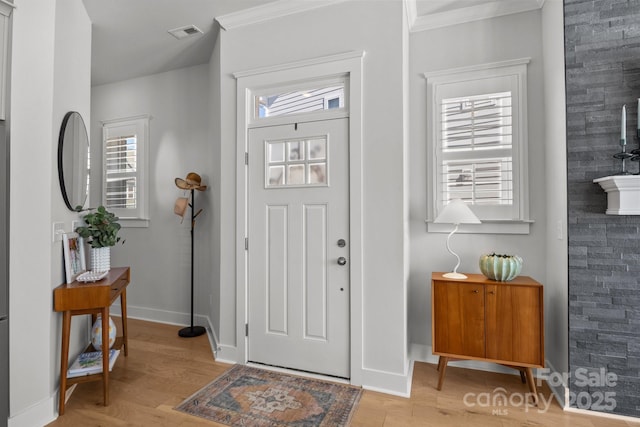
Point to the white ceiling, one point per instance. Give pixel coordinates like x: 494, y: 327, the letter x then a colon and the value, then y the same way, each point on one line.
x: 130, y: 38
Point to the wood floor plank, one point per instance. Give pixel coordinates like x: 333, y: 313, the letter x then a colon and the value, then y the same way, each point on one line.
x: 163, y: 369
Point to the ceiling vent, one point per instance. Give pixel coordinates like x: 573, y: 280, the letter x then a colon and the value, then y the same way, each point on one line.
x: 184, y: 32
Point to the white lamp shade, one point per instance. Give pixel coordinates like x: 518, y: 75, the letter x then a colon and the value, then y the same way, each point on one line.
x: 457, y: 212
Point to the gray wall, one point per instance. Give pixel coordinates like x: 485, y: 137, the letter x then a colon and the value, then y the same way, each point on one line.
x: 348, y: 26
x: 4, y: 276
x: 602, y: 69
x: 179, y: 142
x: 50, y: 74
x: 492, y: 40
x: 555, y: 170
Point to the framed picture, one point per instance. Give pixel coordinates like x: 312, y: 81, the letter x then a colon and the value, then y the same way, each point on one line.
x: 74, y: 262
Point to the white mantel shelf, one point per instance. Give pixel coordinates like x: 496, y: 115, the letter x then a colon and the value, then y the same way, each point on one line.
x: 623, y: 194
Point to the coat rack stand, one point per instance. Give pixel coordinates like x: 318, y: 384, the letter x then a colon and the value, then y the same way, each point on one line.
x: 192, y: 331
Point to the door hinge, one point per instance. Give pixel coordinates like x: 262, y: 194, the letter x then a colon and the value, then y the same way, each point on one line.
x: 246, y: 158
x: 246, y: 329
x: 246, y: 243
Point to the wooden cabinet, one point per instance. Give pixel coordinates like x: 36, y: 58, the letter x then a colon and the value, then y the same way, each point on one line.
x: 481, y: 319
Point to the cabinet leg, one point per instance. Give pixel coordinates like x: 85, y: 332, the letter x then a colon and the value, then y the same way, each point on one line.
x: 532, y: 386
x: 442, y: 364
x: 523, y: 378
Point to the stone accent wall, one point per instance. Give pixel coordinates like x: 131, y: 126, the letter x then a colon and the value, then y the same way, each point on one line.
x: 602, y: 49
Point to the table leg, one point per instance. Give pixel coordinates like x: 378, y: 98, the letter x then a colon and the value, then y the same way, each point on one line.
x: 64, y: 359
x: 443, y: 367
x: 123, y: 309
x: 105, y: 354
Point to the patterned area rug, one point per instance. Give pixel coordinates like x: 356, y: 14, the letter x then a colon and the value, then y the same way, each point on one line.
x: 245, y: 396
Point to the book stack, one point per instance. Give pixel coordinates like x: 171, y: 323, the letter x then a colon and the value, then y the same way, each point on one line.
x: 90, y: 362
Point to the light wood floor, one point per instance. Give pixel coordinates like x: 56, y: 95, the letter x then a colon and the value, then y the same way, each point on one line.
x: 163, y: 369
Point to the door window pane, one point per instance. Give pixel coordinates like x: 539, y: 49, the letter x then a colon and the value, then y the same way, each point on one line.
x: 318, y: 173
x: 276, y: 152
x: 276, y: 175
x: 296, y: 175
x: 305, y: 163
x: 317, y: 149
x: 296, y: 150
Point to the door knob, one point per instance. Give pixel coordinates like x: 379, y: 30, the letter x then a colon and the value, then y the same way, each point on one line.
x: 342, y: 260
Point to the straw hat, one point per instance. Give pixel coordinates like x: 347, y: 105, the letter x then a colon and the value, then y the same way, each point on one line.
x: 191, y: 182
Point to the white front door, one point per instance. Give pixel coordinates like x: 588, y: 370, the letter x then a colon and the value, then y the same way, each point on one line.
x: 298, y: 229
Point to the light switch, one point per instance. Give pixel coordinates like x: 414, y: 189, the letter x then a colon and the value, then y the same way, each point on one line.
x: 559, y: 230
x: 57, y: 231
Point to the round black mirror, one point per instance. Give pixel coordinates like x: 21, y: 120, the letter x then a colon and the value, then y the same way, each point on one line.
x: 73, y: 161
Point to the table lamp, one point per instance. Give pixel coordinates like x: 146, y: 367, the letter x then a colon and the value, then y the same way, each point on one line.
x: 456, y: 212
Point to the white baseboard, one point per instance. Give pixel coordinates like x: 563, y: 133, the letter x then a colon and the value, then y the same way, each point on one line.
x: 626, y: 418
x: 227, y: 354
x: 423, y: 353
x: 155, y: 315
x: 388, y: 382
x: 213, y: 338
x: 40, y: 414
x: 560, y: 391
x: 223, y: 353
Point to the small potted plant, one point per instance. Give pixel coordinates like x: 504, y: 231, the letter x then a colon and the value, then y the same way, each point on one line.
x: 101, y: 232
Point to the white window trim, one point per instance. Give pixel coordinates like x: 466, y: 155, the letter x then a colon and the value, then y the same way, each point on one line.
x: 517, y: 68
x: 142, y: 121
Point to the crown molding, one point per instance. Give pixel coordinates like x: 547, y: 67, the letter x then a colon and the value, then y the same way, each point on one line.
x: 478, y: 12
x: 270, y: 11
x: 299, y: 64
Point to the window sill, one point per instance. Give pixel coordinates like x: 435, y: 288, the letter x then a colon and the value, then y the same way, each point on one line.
x: 134, y: 222
x: 487, y: 227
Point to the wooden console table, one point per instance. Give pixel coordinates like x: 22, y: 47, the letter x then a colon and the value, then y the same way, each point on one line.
x: 482, y: 319
x: 91, y: 298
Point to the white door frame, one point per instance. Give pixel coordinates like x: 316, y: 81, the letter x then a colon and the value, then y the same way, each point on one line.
x: 346, y: 64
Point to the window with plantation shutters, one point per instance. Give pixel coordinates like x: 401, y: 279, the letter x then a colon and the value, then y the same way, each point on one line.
x: 478, y: 142
x: 476, y: 149
x: 124, y: 167
x: 121, y: 169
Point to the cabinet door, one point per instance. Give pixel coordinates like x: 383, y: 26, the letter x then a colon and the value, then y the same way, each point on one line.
x: 458, y: 318
x: 514, y: 323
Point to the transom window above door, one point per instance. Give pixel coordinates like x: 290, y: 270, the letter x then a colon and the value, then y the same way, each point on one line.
x: 295, y: 163
x: 294, y: 100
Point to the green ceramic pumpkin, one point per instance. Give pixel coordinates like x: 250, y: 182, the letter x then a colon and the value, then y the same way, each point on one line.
x: 500, y: 267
